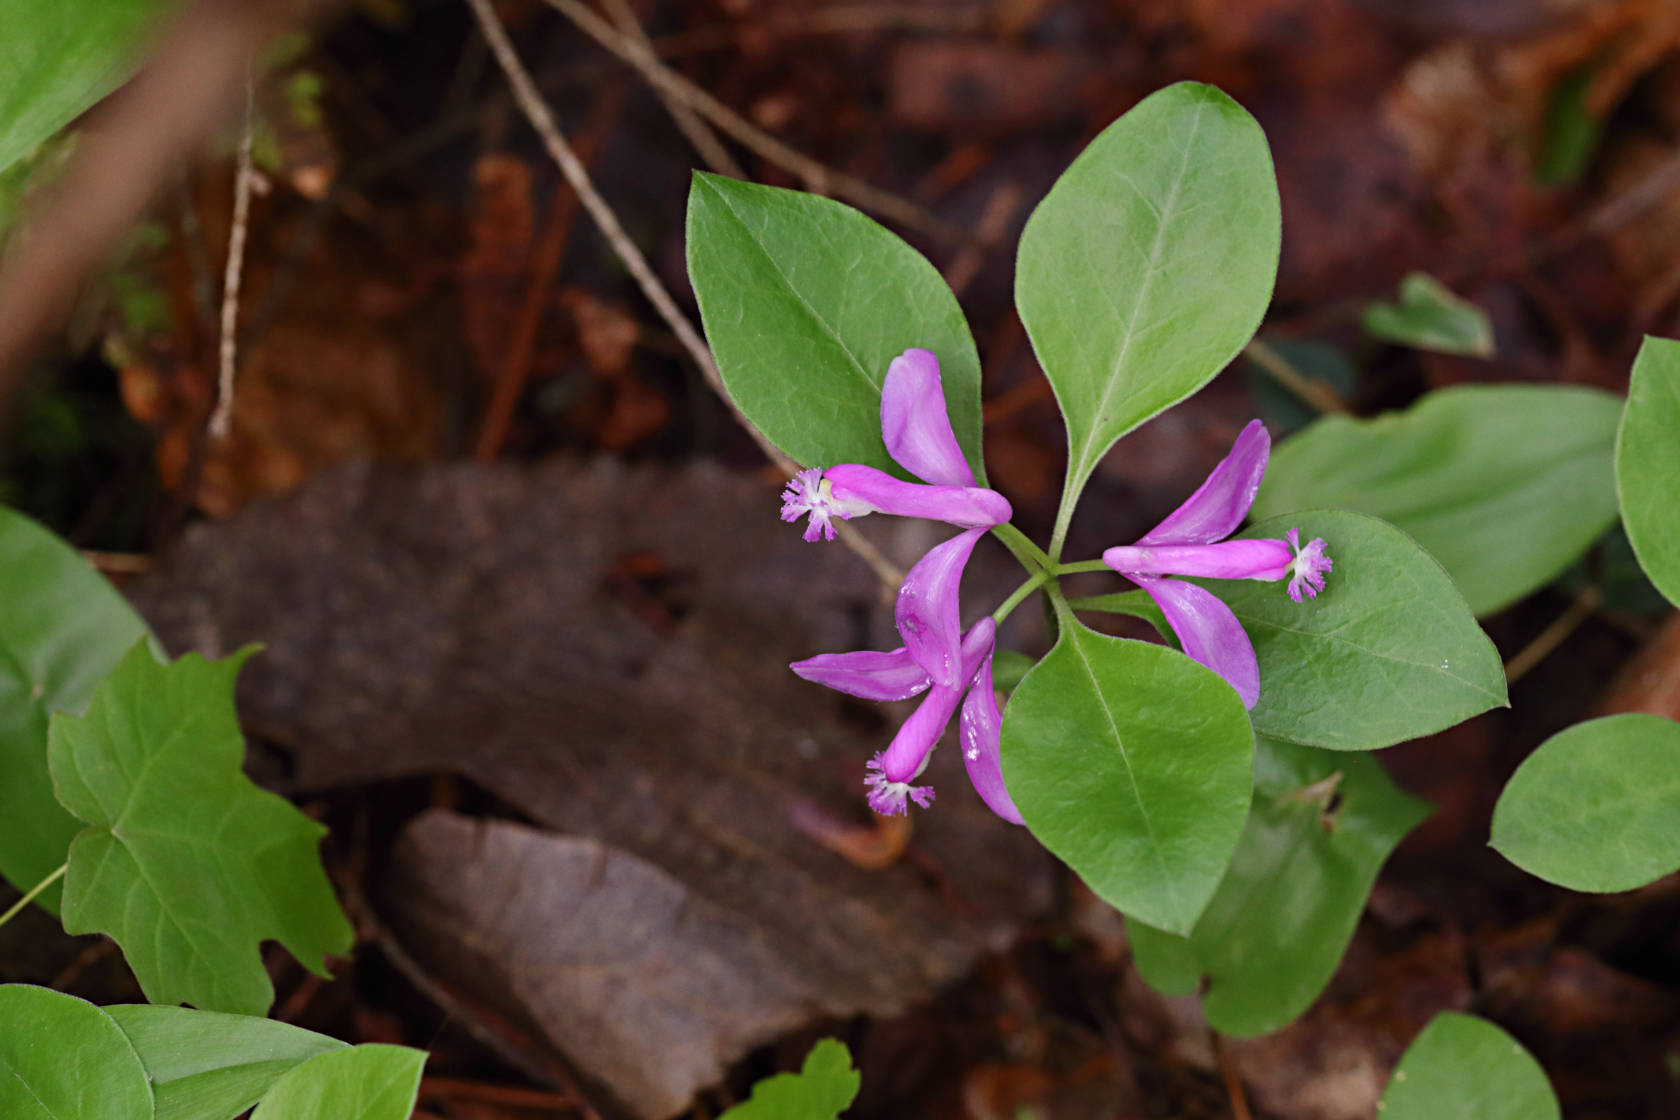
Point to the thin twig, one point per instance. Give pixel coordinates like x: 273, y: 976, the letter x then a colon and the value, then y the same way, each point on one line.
x: 119, y: 563
x: 688, y: 122
x: 542, y: 120
x: 817, y: 176
x: 146, y: 132
x: 34, y: 893
x: 1552, y: 636
x: 1233, y: 1079
x: 244, y: 179
x: 993, y: 222
x: 1316, y: 395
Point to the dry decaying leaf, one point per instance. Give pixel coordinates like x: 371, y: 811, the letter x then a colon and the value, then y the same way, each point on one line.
x: 489, y: 622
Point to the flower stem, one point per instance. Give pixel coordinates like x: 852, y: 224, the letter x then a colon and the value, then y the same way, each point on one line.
x: 1064, y: 518
x: 1033, y: 583
x: 1082, y: 566
x: 1032, y: 557
x: 34, y: 892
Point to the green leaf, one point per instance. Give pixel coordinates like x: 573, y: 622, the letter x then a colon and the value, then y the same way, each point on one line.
x: 1149, y: 264
x: 62, y: 629
x: 825, y: 1085
x: 1321, y: 826
x: 1387, y: 652
x: 1133, y: 764
x: 205, y: 1065
x: 186, y: 864
x: 1137, y: 604
x: 62, y: 1058
x: 1464, y: 1068
x: 371, y: 1082
x: 1431, y: 317
x: 1597, y: 806
x: 806, y: 302
x: 1008, y: 667
x: 1648, y: 462
x: 53, y: 68
x: 1505, y: 485
x: 1570, y: 131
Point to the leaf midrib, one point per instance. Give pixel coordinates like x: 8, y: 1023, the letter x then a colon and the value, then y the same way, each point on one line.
x: 1131, y: 776
x: 1164, y: 216
x: 787, y: 282
x: 1329, y: 637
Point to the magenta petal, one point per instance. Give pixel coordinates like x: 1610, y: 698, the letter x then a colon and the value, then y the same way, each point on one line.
x: 1261, y: 559
x: 980, y: 727
x: 904, y: 759
x: 917, y: 736
x: 927, y: 612
x: 859, y: 489
x: 867, y: 673
x: 1209, y: 631
x: 1219, y: 505
x: 915, y: 425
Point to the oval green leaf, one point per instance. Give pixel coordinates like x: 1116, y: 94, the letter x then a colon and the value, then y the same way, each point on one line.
x: 1387, y: 652
x: 371, y: 1082
x: 1134, y: 765
x: 1648, y: 463
x: 1430, y: 316
x: 205, y: 1065
x: 1322, y: 824
x: 52, y: 68
x: 805, y: 303
x: 1505, y: 485
x: 62, y: 629
x: 186, y: 864
x: 63, y: 1057
x: 1463, y: 1068
x: 1597, y: 806
x: 825, y: 1086
x: 1149, y: 264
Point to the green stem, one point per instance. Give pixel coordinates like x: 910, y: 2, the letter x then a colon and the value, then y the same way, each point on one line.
x: 1032, y: 584
x: 1029, y: 554
x: 1064, y: 517
x: 34, y: 892
x: 1082, y: 566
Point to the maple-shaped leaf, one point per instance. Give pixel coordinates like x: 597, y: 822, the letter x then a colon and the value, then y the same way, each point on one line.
x: 826, y: 1084
x: 186, y: 863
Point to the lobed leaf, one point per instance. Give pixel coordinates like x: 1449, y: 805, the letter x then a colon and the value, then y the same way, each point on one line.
x: 1429, y: 316
x: 1387, y: 652
x: 1505, y: 485
x: 204, y: 1065
x: 1597, y: 806
x: 186, y: 864
x: 369, y: 1082
x: 1149, y: 264
x: 824, y: 1086
x: 1133, y: 764
x: 805, y: 303
x: 1463, y: 1068
x: 63, y: 627
x: 1321, y: 826
x: 1648, y: 463
x: 62, y: 1057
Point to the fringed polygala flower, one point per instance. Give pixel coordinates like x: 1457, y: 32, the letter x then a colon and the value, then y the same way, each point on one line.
x: 918, y: 434
x: 954, y: 669
x: 896, y: 676
x: 1191, y: 542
